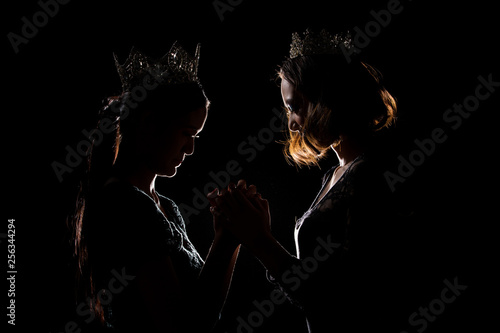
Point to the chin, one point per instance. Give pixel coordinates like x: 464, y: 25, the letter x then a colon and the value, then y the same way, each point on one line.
x: 168, y: 172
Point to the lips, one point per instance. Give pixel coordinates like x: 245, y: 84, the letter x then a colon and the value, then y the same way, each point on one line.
x: 178, y: 161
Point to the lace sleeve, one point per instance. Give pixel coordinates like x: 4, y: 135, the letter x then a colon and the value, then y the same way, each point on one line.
x: 282, y: 287
x: 130, y: 226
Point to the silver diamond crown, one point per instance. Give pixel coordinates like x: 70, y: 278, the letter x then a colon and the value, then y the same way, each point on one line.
x: 175, y: 67
x: 322, y: 43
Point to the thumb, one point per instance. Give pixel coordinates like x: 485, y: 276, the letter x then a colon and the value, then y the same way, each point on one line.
x: 212, y: 195
x: 265, y: 204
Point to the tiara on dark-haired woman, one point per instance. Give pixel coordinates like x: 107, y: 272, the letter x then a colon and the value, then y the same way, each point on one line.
x: 175, y: 67
x: 322, y: 43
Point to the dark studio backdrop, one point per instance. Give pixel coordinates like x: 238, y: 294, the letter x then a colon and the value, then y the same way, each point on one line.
x: 431, y: 56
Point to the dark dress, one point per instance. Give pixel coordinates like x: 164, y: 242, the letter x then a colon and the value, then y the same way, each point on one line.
x: 126, y: 230
x: 346, y: 277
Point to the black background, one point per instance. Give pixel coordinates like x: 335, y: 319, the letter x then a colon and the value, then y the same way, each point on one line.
x: 431, y: 56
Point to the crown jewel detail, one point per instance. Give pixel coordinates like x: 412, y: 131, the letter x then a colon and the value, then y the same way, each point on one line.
x: 322, y: 43
x: 175, y: 67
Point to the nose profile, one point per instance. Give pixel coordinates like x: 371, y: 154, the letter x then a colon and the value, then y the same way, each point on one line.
x: 189, y: 148
x: 293, y: 125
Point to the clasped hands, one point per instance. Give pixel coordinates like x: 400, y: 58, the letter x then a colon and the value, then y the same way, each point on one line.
x: 241, y: 211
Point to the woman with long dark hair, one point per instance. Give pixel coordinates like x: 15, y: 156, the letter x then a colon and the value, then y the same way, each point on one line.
x: 341, y: 273
x: 137, y: 269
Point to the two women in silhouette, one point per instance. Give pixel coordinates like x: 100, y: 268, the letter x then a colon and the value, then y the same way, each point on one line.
x: 339, y: 271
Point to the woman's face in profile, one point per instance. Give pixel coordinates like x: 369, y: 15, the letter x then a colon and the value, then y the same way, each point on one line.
x: 295, y: 104
x: 175, y: 141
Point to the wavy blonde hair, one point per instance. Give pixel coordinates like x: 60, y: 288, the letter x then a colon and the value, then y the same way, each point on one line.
x: 343, y: 99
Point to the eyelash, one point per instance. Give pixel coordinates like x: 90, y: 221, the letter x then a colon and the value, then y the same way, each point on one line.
x: 192, y: 136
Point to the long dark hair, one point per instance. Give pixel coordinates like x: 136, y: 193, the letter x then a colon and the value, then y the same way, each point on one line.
x: 117, y: 119
x: 345, y: 98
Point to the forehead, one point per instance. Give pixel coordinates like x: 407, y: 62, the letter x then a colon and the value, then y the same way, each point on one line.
x: 287, y: 89
x: 195, y: 119
x: 290, y: 94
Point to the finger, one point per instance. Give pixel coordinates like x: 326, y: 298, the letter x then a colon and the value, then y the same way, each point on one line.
x: 240, y: 197
x: 259, y: 203
x: 229, y: 200
x: 227, y: 211
x: 249, y: 202
x: 251, y: 191
x: 212, y: 195
x: 222, y: 205
x: 215, y: 210
x: 242, y: 184
x: 265, y: 204
x: 217, y: 213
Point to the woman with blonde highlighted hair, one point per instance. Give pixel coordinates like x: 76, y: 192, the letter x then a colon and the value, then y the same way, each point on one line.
x: 359, y: 107
x: 344, y: 266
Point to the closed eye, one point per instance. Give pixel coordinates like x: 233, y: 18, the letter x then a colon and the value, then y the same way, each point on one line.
x: 291, y: 108
x: 194, y: 136
x: 292, y: 105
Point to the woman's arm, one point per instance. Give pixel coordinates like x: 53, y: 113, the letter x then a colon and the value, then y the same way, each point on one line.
x: 216, y: 274
x: 248, y: 219
x: 166, y: 302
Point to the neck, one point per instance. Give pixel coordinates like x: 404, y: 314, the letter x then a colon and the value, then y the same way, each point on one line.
x: 348, y: 150
x: 137, y: 174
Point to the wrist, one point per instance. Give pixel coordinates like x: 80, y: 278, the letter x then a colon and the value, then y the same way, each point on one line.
x: 225, y: 239
x: 261, y: 241
x: 270, y: 253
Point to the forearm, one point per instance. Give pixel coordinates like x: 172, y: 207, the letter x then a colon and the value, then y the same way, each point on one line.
x: 271, y: 254
x: 215, y: 277
x: 287, y: 271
